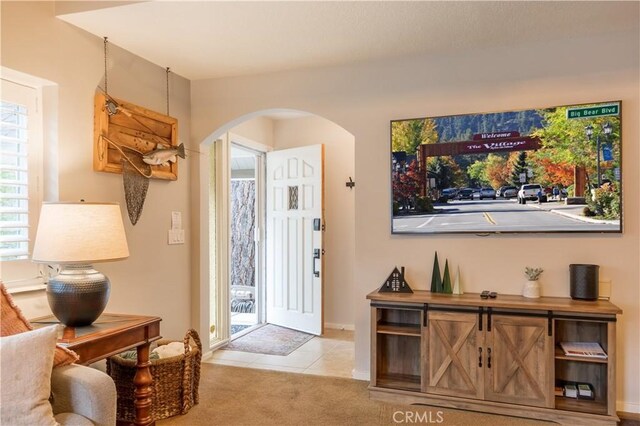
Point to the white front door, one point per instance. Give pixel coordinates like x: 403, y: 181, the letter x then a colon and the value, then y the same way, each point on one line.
x: 294, y: 238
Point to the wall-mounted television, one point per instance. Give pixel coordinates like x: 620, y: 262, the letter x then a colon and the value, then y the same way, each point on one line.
x: 556, y: 169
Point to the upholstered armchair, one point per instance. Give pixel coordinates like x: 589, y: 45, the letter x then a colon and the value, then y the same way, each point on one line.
x: 83, y: 396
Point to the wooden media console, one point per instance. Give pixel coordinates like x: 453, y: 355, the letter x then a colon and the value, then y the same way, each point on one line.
x: 498, y: 355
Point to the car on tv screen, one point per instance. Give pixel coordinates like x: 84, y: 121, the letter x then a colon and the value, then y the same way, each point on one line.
x: 465, y: 194
x: 487, y: 193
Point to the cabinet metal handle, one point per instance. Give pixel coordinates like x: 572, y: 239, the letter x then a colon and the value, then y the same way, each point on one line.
x: 480, y: 357
x: 489, y: 358
x: 316, y: 256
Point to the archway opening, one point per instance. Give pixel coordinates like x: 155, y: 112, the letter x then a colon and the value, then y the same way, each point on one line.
x: 258, y: 134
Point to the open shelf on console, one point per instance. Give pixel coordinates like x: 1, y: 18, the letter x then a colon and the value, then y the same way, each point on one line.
x: 399, y: 329
x: 581, y: 405
x: 559, y: 354
x: 398, y: 348
x: 579, y: 369
x: 399, y: 381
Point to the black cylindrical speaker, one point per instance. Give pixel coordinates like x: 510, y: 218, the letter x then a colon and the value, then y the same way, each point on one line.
x: 584, y: 281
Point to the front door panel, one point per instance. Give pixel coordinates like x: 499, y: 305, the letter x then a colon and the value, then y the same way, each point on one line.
x: 294, y: 245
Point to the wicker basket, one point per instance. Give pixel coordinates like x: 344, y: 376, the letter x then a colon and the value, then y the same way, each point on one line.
x: 175, y: 381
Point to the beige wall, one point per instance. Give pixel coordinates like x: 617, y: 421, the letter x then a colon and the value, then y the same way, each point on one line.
x: 259, y: 129
x: 339, y: 238
x: 364, y: 98
x: 155, y: 279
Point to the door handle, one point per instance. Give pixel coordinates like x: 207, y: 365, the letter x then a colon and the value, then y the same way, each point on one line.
x: 316, y: 256
x: 480, y: 357
x: 489, y: 358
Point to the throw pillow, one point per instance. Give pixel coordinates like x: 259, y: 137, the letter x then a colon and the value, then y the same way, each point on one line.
x: 14, y: 322
x: 26, y: 364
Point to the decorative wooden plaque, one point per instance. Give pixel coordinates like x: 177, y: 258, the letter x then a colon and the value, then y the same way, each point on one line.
x: 137, y: 131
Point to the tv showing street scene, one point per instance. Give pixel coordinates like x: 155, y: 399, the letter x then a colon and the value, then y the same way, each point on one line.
x: 555, y: 169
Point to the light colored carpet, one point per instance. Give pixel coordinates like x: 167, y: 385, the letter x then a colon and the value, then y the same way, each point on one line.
x: 245, y: 396
x: 270, y: 340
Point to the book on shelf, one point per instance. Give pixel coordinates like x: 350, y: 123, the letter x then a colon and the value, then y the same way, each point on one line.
x: 575, y: 390
x: 583, y: 349
x: 570, y: 391
x: 585, y: 391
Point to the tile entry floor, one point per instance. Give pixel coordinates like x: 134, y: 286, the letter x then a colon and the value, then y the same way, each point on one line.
x: 331, y: 354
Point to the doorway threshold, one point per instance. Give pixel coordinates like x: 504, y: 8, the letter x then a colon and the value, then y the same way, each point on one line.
x: 331, y: 354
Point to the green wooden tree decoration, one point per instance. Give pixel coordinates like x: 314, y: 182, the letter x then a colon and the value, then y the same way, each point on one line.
x: 446, y: 280
x: 436, y: 280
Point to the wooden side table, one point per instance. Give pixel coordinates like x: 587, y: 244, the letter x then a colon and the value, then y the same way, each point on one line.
x: 109, y: 335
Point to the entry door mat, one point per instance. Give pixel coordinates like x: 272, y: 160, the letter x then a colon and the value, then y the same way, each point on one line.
x: 270, y: 340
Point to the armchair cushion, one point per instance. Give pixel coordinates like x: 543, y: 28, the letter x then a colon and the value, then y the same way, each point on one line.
x: 83, y: 391
x: 26, y: 364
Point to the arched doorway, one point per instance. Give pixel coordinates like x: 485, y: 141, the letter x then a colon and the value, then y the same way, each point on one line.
x: 258, y: 133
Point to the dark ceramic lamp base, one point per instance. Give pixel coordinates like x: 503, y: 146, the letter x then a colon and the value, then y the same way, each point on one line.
x: 78, y: 295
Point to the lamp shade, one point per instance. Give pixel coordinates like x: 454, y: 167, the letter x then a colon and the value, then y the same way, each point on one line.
x: 80, y: 233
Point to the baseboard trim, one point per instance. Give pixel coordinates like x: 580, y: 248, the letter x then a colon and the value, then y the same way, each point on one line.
x: 629, y: 409
x: 360, y: 375
x: 629, y: 416
x: 334, y: 326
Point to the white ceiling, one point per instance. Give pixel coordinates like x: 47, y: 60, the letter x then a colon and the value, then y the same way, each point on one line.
x: 210, y: 39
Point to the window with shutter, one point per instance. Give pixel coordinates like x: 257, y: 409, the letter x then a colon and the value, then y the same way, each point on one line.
x: 14, y: 182
x: 20, y: 175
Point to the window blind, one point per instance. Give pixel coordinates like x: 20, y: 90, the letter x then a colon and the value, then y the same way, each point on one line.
x: 14, y: 182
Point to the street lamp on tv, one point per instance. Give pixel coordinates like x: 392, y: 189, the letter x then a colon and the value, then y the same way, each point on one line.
x: 606, y: 129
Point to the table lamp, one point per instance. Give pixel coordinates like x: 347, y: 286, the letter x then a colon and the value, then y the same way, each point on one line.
x: 74, y: 236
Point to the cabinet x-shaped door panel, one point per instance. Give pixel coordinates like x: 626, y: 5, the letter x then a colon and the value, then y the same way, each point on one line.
x: 454, y: 367
x: 522, y: 356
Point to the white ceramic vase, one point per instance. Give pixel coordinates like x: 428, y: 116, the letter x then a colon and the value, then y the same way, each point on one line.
x: 531, y: 289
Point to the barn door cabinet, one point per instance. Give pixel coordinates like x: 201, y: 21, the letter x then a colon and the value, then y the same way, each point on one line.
x: 496, y: 355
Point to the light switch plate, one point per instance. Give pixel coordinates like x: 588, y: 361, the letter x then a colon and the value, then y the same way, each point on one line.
x: 176, y: 236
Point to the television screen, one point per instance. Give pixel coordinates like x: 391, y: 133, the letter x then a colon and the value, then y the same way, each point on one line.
x: 539, y: 170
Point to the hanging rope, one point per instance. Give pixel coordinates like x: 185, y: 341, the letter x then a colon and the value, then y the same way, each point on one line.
x: 168, y: 71
x: 106, y: 89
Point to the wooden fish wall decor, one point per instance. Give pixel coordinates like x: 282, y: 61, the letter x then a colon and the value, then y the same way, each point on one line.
x: 136, y: 142
x: 122, y: 129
